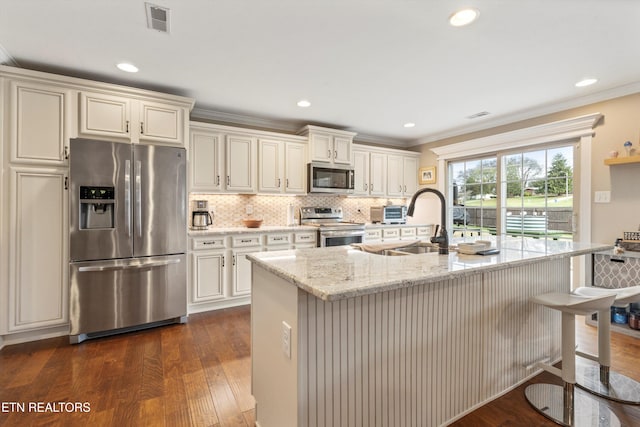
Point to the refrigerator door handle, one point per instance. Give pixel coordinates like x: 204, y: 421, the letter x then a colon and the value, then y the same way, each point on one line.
x: 138, y: 207
x: 128, y: 266
x: 127, y: 196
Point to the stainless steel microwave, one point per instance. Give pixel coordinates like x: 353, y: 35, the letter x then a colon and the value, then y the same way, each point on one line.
x: 326, y: 178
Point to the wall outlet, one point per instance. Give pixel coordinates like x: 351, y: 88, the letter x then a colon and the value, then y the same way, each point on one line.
x: 286, y: 339
x: 602, y: 197
x: 249, y: 209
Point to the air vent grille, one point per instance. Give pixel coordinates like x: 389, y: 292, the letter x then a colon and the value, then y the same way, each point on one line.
x: 157, y: 18
x: 480, y: 114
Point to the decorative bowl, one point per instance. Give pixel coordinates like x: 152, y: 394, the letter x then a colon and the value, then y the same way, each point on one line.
x: 252, y: 223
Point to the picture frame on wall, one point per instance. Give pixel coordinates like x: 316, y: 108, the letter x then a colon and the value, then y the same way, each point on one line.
x: 427, y: 175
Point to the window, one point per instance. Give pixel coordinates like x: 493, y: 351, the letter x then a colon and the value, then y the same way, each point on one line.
x: 473, y: 192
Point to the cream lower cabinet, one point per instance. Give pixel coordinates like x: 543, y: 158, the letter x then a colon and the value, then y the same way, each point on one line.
x: 207, y: 275
x: 38, y: 251
x: 240, y: 280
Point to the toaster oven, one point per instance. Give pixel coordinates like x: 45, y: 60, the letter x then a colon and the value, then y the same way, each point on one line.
x: 392, y: 214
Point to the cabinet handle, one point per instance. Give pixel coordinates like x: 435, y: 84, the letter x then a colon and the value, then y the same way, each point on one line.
x: 405, y: 188
x: 209, y: 243
x: 400, y: 188
x: 66, y: 152
x: 245, y: 241
x: 335, y: 154
x: 365, y: 187
x: 228, y: 180
x: 329, y: 153
x: 218, y: 180
x: 287, y: 182
x: 278, y: 182
x: 223, y: 260
x: 66, y: 182
x: 142, y: 128
x: 233, y: 260
x: 127, y: 127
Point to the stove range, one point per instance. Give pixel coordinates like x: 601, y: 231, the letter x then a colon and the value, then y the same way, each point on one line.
x: 332, y: 229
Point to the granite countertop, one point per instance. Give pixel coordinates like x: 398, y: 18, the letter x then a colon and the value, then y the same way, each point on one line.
x: 342, y: 272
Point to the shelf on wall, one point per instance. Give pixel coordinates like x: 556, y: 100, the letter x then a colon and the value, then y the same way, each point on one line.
x: 621, y: 160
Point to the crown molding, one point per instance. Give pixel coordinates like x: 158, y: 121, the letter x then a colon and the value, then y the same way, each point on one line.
x: 6, y: 58
x: 562, y: 130
x: 289, y: 126
x: 568, y: 104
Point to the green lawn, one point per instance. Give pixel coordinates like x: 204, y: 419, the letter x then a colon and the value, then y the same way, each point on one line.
x: 527, y: 202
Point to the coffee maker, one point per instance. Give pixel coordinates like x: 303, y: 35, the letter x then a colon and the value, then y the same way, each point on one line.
x: 201, y: 218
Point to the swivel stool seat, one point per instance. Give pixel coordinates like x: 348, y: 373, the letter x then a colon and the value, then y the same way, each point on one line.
x: 565, y: 404
x: 600, y: 380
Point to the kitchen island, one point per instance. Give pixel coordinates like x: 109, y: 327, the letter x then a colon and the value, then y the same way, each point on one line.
x: 344, y: 337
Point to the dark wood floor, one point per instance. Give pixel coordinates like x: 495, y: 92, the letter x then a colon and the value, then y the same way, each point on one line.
x: 198, y: 374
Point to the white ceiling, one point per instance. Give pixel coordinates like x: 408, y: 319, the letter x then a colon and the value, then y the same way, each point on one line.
x: 366, y: 65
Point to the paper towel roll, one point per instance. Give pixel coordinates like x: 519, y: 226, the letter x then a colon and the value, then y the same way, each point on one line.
x: 290, y: 215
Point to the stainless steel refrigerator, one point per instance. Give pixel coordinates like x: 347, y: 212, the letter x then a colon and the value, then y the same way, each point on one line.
x: 127, y: 242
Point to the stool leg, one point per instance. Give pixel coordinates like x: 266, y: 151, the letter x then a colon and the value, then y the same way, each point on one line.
x: 568, y: 348
x: 604, y: 347
x: 600, y: 380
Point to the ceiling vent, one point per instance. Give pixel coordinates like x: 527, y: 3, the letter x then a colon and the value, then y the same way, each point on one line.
x: 157, y: 17
x: 480, y: 114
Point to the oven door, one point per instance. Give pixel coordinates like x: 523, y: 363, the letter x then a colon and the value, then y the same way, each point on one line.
x: 341, y: 237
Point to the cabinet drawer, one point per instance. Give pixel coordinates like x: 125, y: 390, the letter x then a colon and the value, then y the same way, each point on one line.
x: 372, y: 234
x: 278, y: 239
x: 305, y: 237
x: 208, y: 243
x: 390, y: 233
x: 423, y: 231
x: 408, y: 232
x: 244, y: 241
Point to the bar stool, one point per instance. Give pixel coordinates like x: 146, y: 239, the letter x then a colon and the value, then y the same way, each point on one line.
x: 564, y: 404
x: 600, y: 380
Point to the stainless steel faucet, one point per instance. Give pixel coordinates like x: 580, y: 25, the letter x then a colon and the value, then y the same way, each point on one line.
x: 443, y: 239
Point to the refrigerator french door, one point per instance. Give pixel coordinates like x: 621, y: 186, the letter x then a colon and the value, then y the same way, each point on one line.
x: 127, y: 237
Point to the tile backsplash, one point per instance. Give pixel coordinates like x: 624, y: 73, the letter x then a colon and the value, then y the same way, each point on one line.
x: 229, y: 209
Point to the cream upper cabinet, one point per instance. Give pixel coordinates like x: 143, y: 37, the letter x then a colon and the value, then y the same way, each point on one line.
x: 38, y: 125
x: 378, y: 174
x: 135, y: 120
x: 329, y: 145
x: 402, y: 175
x: 241, y: 163
x: 410, y: 175
x: 361, y: 172
x: 205, y: 160
x: 281, y: 166
x: 38, y: 253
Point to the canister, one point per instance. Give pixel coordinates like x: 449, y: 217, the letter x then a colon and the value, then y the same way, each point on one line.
x: 634, y: 319
x: 619, y: 315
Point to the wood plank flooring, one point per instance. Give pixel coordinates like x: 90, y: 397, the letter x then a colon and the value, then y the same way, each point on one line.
x: 199, y: 374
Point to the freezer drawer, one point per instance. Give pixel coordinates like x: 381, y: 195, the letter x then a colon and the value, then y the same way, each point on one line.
x: 114, y: 294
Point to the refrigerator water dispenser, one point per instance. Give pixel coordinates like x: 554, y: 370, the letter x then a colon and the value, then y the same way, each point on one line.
x: 96, y: 207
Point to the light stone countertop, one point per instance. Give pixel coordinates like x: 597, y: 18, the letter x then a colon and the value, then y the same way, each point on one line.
x: 342, y: 272
x: 217, y: 231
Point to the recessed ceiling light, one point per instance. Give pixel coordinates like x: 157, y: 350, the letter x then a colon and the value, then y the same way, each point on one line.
x: 409, y: 125
x: 463, y: 17
x: 129, y: 68
x: 586, y: 82
x: 304, y: 103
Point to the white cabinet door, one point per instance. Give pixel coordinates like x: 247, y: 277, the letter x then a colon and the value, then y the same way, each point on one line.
x: 105, y: 115
x: 321, y: 146
x: 241, y: 163
x: 295, y: 168
x: 161, y: 123
x: 361, y: 172
x: 395, y: 175
x: 38, y: 124
x: 38, y: 253
x: 205, y: 161
x: 208, y: 276
x: 378, y: 174
x: 342, y: 150
x: 271, y: 169
x: 242, y: 271
x: 410, y: 176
